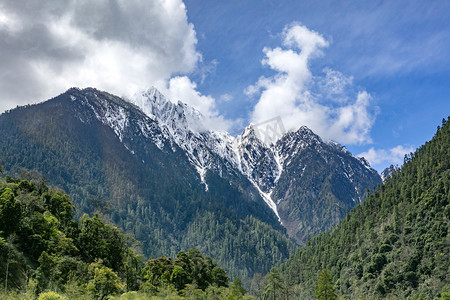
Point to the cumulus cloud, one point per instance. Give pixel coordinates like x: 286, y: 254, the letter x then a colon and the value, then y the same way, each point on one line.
x: 321, y: 102
x: 382, y: 158
x: 182, y: 88
x: 119, y: 46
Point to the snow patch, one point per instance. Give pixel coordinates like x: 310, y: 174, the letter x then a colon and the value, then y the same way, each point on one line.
x: 184, y: 126
x: 268, y: 199
x: 279, y: 165
x: 117, y: 119
x: 202, y: 173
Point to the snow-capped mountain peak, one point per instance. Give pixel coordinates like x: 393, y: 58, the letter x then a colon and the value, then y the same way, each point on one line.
x: 261, y: 163
x: 152, y: 103
x: 208, y: 150
x: 306, y: 183
x: 250, y: 135
x: 186, y: 127
x: 173, y: 115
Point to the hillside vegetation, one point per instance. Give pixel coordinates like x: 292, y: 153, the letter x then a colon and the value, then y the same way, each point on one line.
x: 395, y: 244
x: 44, y: 251
x: 154, y: 195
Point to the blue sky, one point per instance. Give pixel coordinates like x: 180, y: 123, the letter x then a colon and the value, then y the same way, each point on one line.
x: 373, y: 75
x: 397, y: 51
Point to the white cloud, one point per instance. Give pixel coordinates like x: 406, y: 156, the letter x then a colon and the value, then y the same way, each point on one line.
x: 183, y: 89
x: 226, y: 97
x: 118, y: 46
x: 381, y: 158
x: 302, y: 99
x: 335, y: 85
x: 306, y: 40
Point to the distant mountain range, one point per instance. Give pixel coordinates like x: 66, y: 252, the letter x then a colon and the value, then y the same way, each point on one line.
x: 153, y: 167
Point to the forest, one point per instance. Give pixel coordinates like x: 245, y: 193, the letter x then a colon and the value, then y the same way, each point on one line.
x: 46, y: 254
x: 395, y: 245
x: 159, y: 202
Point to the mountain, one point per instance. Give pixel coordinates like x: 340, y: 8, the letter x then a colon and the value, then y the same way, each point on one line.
x: 388, y: 172
x: 309, y: 184
x: 320, y: 183
x: 151, y: 166
x: 395, y: 244
x: 110, y: 156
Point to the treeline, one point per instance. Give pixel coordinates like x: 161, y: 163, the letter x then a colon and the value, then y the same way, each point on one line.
x: 395, y: 245
x: 44, y: 251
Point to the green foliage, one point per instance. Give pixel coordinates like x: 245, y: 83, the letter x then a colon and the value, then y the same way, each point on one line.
x: 324, y: 288
x: 104, y: 283
x: 396, y: 243
x: 179, y: 277
x: 253, y: 245
x: 158, y: 271
x: 98, y: 240
x: 9, y: 210
x: 187, y: 269
x: 89, y: 258
x: 445, y: 293
x: 43, y: 242
x: 274, y: 285
x: 154, y: 195
x: 50, y: 296
x: 237, y: 291
x: 60, y: 206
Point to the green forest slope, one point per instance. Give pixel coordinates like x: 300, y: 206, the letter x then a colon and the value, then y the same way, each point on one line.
x: 395, y: 244
x: 154, y: 195
x: 45, y: 252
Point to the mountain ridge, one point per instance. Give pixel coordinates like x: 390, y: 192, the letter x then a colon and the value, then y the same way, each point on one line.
x: 162, y: 178
x: 262, y: 165
x: 394, y: 245
x: 148, y: 188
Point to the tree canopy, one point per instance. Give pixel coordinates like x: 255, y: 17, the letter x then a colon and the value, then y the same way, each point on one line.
x: 44, y: 251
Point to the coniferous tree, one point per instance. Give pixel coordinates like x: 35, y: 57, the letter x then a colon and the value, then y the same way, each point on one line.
x: 274, y: 284
x: 324, y: 288
x: 237, y: 291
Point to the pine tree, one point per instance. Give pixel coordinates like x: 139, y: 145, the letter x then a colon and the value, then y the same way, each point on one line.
x: 274, y: 284
x: 324, y: 288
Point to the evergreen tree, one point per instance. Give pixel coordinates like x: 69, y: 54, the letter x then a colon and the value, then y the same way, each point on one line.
x: 324, y: 288
x: 237, y: 291
x: 274, y: 285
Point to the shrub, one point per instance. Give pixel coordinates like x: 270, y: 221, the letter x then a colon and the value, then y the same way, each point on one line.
x: 50, y: 296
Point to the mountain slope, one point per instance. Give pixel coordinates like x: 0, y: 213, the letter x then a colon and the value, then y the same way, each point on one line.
x: 153, y: 167
x: 396, y: 243
x: 388, y: 172
x: 309, y: 184
x: 108, y: 155
x: 321, y: 182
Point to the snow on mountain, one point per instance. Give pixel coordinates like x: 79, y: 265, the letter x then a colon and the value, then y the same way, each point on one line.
x: 215, y: 151
x: 259, y: 163
x: 186, y: 127
x: 113, y: 112
x: 257, y: 160
x: 388, y: 172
